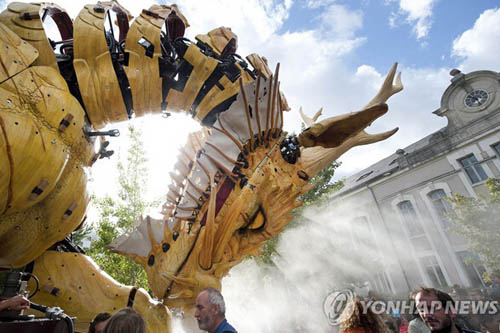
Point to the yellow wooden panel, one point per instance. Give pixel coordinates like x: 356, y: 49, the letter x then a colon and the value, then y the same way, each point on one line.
x: 36, y: 154
x: 15, y: 54
x: 203, y: 67
x: 113, y: 107
x: 47, y: 98
x: 57, y: 103
x: 246, y: 78
x: 4, y: 165
x: 218, y: 38
x: 26, y: 235
x: 259, y: 64
x: 84, y: 289
x: 143, y: 72
x: 216, y: 96
x: 31, y: 31
x: 156, y: 315
x: 96, y: 77
x: 89, y: 93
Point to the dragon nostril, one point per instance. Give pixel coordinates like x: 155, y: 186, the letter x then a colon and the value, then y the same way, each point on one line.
x: 175, y: 235
x: 165, y: 247
x: 151, y: 260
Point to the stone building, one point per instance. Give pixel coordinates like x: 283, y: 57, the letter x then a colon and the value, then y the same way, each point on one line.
x: 399, y: 202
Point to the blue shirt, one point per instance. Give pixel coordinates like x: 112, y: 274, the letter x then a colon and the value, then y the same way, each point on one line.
x: 224, y: 326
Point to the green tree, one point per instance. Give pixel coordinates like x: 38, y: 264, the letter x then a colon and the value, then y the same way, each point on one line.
x: 117, y: 215
x: 478, y: 220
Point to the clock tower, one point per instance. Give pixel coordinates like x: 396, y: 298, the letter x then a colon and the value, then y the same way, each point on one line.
x: 470, y: 97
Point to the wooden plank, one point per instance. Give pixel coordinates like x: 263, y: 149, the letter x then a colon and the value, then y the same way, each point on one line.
x: 98, y: 83
x: 31, y: 31
x: 203, y: 68
x: 259, y: 64
x: 36, y: 154
x: 15, y: 54
x: 143, y: 72
x: 216, y: 96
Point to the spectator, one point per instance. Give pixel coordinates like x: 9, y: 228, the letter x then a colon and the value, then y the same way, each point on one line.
x: 125, y: 321
x: 417, y: 325
x: 211, y: 312
x: 355, y: 320
x: 98, y: 323
x: 437, y: 310
x: 403, y: 324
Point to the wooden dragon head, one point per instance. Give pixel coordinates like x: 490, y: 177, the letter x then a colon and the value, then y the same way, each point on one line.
x: 235, y: 186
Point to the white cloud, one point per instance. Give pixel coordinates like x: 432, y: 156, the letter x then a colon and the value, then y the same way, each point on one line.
x: 252, y: 20
x: 477, y: 47
x: 340, y: 21
x: 313, y: 4
x: 415, y: 12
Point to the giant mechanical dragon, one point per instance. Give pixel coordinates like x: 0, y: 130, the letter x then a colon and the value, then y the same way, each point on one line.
x: 235, y: 182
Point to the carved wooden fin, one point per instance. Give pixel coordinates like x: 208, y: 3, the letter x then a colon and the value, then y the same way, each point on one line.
x: 208, y: 232
x: 247, y: 112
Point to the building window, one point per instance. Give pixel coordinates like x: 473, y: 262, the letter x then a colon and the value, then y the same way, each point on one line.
x: 433, y: 271
x: 473, y: 169
x: 410, y: 218
x: 442, y: 206
x: 496, y: 147
x: 473, y: 268
x: 361, y: 232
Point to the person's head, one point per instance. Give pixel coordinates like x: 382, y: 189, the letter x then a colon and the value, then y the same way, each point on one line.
x: 98, y: 323
x: 210, y: 309
x: 436, y: 308
x: 125, y: 321
x: 356, y: 316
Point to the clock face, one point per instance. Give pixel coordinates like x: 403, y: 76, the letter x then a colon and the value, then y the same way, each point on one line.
x: 476, y: 98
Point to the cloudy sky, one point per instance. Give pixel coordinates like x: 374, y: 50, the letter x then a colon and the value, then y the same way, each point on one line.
x: 334, y: 54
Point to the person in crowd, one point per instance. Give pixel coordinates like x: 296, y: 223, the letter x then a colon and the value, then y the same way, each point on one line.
x: 98, y: 323
x: 15, y: 303
x: 211, y: 312
x: 437, y: 310
x: 355, y: 320
x: 403, y: 324
x: 417, y: 325
x: 125, y: 321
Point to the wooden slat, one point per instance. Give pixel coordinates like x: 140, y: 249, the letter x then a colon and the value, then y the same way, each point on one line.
x: 34, y: 157
x: 79, y: 281
x: 31, y: 31
x: 216, y: 96
x: 259, y: 64
x: 143, y: 72
x: 203, y: 67
x: 96, y: 77
x: 217, y: 39
x: 15, y: 54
